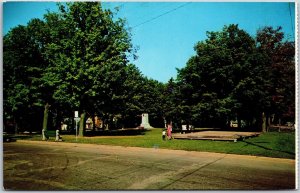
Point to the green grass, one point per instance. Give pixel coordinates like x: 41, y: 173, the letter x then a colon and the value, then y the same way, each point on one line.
x: 273, y: 144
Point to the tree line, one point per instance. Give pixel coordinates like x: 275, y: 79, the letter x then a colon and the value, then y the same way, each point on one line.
x: 77, y: 59
x: 234, y: 76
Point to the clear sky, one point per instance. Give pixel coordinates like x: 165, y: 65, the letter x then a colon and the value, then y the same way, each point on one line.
x: 166, y: 32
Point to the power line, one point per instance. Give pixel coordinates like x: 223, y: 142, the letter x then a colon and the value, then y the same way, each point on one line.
x: 165, y: 13
x: 159, y: 9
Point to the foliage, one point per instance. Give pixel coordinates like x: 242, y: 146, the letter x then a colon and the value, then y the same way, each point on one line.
x: 233, y: 76
x: 22, y: 56
x: 279, y: 57
x: 77, y: 59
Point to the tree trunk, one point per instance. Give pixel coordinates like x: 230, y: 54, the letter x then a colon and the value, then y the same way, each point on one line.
x: 45, y: 120
x: 264, y: 123
x: 58, y: 120
x: 16, y: 126
x: 94, y: 123
x: 269, y: 123
x: 82, y: 124
x: 239, y: 123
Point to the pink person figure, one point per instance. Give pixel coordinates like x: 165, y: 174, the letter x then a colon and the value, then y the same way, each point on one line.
x: 169, y: 130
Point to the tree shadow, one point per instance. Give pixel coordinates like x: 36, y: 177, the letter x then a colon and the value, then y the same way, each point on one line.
x: 196, y: 130
x: 119, y: 132
x: 267, y: 148
x: 14, y: 138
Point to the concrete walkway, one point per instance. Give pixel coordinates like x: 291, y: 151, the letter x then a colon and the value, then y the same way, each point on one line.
x: 216, y: 135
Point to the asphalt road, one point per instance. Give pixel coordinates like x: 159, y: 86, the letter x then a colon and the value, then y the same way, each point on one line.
x: 68, y: 166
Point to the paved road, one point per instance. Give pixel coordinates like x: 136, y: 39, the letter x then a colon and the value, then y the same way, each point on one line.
x: 68, y: 166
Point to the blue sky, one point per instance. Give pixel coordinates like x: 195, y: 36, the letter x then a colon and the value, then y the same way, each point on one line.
x: 166, y: 32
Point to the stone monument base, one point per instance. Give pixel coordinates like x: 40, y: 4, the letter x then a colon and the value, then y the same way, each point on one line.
x: 147, y: 126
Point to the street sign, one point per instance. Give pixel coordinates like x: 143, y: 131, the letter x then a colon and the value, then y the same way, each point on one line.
x: 77, y: 119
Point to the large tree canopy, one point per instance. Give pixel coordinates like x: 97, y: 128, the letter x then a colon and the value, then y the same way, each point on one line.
x: 234, y: 76
x: 23, y: 65
x: 78, y: 58
x: 87, y: 54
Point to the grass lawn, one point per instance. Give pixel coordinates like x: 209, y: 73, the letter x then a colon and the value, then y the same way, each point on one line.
x: 272, y: 144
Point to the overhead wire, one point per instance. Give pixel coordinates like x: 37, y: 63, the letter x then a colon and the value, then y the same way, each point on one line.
x: 158, y: 9
x: 156, y: 17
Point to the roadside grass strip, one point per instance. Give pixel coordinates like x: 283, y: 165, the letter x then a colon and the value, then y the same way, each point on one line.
x: 271, y: 144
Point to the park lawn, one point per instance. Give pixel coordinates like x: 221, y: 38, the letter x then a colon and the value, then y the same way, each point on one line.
x: 272, y: 144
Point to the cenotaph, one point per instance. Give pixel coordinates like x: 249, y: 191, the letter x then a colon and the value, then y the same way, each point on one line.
x: 145, y: 121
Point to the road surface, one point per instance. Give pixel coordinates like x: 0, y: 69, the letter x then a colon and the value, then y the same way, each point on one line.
x: 29, y: 165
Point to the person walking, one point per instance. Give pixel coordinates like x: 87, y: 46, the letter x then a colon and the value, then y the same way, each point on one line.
x: 169, y: 131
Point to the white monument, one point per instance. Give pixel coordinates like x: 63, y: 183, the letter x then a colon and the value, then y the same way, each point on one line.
x: 145, y: 121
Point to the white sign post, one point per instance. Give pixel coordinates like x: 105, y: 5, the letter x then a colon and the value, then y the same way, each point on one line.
x: 76, y: 118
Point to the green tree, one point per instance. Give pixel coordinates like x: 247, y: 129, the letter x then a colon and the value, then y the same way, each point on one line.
x: 279, y: 55
x: 171, y: 104
x: 208, y: 80
x: 22, y: 55
x: 133, y: 107
x: 87, y: 54
x: 152, y: 101
x: 234, y: 76
x: 141, y: 95
x: 146, y: 97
